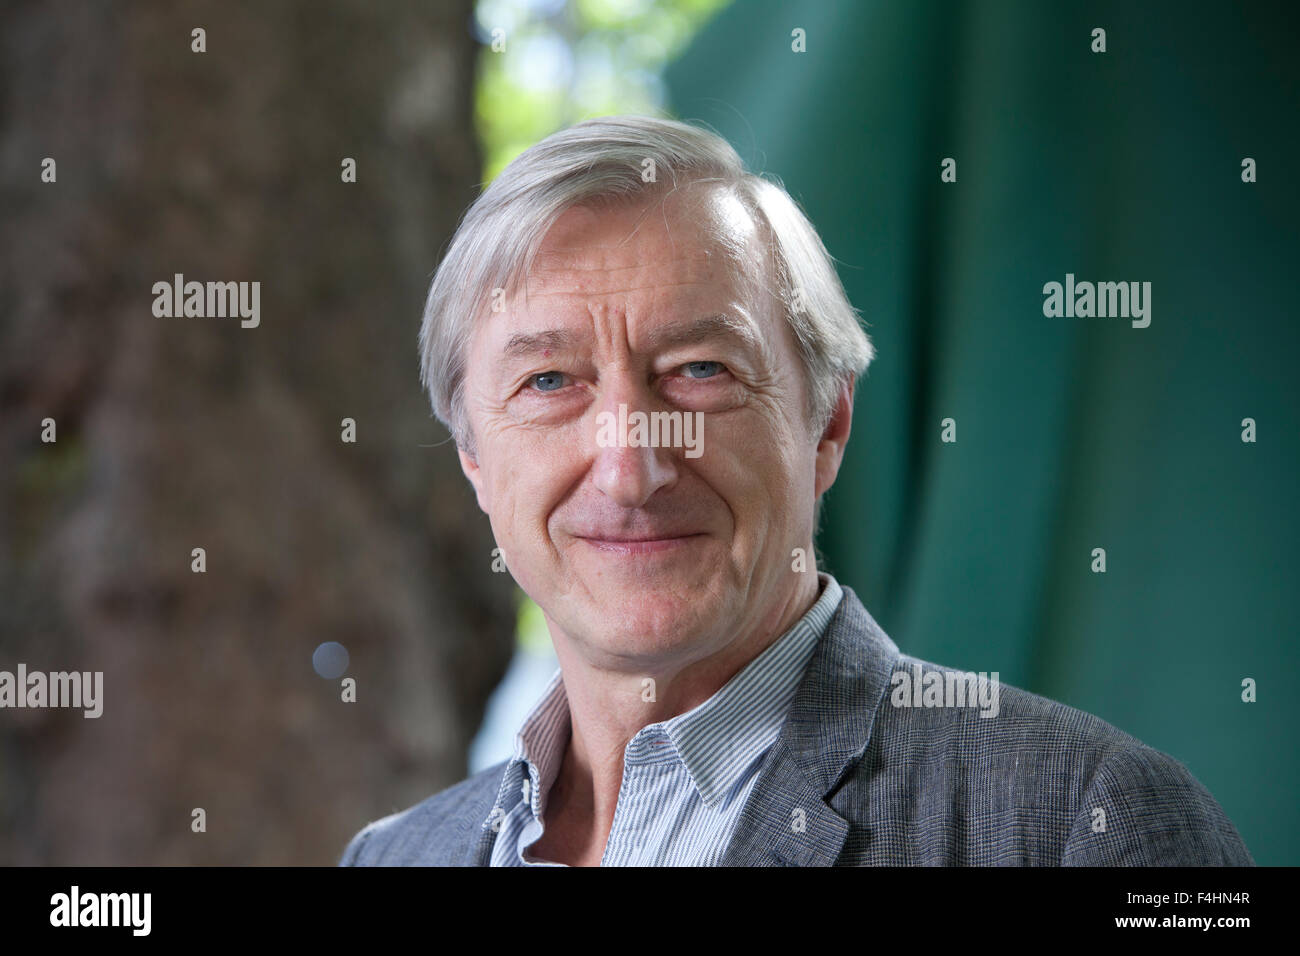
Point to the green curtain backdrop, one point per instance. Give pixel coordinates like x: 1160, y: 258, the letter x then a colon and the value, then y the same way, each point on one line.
x: 1072, y: 433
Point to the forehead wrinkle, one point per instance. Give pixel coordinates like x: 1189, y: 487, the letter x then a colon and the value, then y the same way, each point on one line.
x: 611, y: 332
x: 694, y: 270
x: 718, y: 243
x: 575, y: 267
x: 581, y: 292
x: 574, y: 259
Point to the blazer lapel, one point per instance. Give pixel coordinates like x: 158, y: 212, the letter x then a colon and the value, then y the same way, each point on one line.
x: 787, y: 821
x: 477, y: 848
x: 478, y: 852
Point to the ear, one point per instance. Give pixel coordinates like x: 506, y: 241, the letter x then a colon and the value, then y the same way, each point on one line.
x: 475, y: 475
x: 830, y: 450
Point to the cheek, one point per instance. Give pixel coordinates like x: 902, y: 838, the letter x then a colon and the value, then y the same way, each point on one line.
x: 531, y: 471
x: 749, y: 472
x: 767, y: 484
x: 757, y: 449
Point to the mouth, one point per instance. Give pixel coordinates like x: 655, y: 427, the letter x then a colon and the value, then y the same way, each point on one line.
x: 640, y: 545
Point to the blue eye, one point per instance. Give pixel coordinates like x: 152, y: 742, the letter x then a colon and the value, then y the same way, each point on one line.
x: 710, y: 369
x: 547, y: 381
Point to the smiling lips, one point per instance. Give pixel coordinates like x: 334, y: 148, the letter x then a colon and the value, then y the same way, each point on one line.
x: 639, y: 544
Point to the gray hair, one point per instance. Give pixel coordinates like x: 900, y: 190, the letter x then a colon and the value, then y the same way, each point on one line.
x: 603, y: 160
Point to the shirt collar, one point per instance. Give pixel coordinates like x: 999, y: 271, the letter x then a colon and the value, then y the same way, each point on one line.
x: 721, y: 738
x: 716, y: 741
x: 539, y: 748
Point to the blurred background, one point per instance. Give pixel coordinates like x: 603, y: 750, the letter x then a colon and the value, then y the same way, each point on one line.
x: 173, y: 434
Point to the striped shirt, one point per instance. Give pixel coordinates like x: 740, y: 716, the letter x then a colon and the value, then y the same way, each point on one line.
x: 685, y: 779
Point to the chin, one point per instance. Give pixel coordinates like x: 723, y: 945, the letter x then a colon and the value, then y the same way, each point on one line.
x: 652, y: 623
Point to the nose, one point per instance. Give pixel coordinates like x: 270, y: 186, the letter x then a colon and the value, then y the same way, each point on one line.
x: 629, y: 474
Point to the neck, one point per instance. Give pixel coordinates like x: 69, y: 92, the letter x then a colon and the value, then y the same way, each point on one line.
x: 608, y: 707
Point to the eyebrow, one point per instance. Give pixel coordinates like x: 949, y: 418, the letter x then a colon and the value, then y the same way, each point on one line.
x: 693, y: 331
x: 687, y: 332
x: 523, y: 344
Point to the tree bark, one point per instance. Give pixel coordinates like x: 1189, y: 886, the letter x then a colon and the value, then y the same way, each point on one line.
x: 183, y: 433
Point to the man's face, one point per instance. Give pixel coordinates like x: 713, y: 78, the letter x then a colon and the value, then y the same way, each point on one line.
x: 645, y: 556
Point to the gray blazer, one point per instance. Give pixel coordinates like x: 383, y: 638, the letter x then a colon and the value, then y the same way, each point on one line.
x: 879, y: 784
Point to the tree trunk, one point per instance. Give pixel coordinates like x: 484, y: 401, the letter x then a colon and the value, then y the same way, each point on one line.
x: 197, y: 432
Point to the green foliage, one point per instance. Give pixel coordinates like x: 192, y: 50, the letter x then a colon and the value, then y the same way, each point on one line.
x: 531, y: 632
x: 567, y: 61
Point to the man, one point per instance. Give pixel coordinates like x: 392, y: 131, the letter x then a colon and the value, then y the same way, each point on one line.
x: 648, y: 364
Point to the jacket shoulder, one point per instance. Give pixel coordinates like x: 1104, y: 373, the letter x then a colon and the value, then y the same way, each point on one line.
x: 1145, y: 808
x: 1018, y: 778
x: 438, y: 831
x: 977, y: 721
